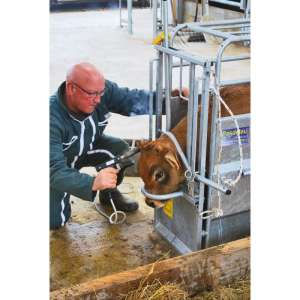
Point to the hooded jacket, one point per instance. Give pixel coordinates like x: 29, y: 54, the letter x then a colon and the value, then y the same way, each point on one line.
x: 73, y: 137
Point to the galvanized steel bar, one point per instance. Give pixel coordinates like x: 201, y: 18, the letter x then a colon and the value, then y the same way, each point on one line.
x: 203, y: 128
x: 221, y: 50
x: 190, y: 124
x: 205, y: 8
x: 218, y: 27
x: 212, y: 158
x: 248, y: 9
x: 194, y: 126
x: 129, y: 12
x: 227, y: 2
x: 162, y: 197
x: 220, y: 22
x: 161, y: 11
x: 213, y: 32
x: 243, y: 21
x: 213, y: 184
x: 159, y: 88
x: 166, y: 65
x: 239, y: 32
x: 120, y: 12
x: 167, y: 91
x: 224, y: 59
x: 243, y: 4
x: 181, y: 54
x: 234, y: 82
x: 180, y: 11
x: 180, y: 74
x: 180, y: 64
x: 154, y: 18
x: 151, y: 98
x: 235, y: 58
x: 165, y: 22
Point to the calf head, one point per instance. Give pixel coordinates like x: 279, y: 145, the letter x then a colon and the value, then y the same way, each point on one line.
x: 160, y: 169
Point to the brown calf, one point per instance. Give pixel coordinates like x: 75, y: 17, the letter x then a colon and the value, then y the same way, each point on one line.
x: 160, y: 166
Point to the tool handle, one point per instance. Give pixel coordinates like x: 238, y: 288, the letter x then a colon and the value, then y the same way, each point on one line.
x: 110, y: 163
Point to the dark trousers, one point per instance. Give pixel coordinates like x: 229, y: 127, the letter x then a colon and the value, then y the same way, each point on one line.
x: 60, y: 207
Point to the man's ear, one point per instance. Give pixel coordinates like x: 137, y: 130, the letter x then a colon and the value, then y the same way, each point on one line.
x: 171, y: 158
x: 70, y: 87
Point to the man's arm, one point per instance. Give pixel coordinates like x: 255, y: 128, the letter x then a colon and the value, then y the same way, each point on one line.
x: 62, y: 177
x: 127, y: 101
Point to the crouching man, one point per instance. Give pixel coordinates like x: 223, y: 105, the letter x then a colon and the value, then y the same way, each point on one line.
x: 78, y: 115
x: 79, y: 112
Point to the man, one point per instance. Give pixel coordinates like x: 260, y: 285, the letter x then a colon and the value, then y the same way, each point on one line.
x: 78, y: 115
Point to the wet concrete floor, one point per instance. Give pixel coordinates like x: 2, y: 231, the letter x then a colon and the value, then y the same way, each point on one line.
x: 89, y: 247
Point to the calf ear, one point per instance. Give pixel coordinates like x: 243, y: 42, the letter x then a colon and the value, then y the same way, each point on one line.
x: 143, y: 144
x: 139, y: 143
x: 172, y: 160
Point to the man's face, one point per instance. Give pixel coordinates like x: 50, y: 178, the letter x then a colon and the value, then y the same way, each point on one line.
x: 84, y: 97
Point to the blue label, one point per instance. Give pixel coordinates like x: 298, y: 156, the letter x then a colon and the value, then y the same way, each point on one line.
x: 230, y: 136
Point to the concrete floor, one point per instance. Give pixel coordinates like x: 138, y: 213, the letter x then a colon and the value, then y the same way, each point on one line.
x: 88, y: 247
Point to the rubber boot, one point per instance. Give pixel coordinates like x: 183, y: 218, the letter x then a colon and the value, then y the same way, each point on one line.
x: 121, y: 202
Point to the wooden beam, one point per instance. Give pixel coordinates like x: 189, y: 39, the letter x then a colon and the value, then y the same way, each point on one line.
x: 196, y: 271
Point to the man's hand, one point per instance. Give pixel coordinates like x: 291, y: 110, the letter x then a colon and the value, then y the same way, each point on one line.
x: 105, y: 179
x: 185, y: 92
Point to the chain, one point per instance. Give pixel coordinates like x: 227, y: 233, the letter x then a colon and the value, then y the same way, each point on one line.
x: 117, y: 217
x: 217, y: 212
x: 228, y: 181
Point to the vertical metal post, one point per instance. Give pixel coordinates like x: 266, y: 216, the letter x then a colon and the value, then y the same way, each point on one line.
x: 129, y: 10
x: 154, y: 20
x: 167, y: 67
x: 190, y: 112
x: 248, y: 9
x: 120, y: 11
x: 165, y: 22
x: 203, y: 129
x: 180, y: 11
x: 167, y: 91
x: 205, y: 8
x: 212, y: 157
x: 151, y: 99
x: 180, y: 76
x: 195, y: 125
x: 161, y: 11
x: 159, y: 87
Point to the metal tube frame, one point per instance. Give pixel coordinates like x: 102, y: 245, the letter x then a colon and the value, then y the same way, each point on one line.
x: 159, y: 96
x: 242, y: 22
x: 154, y: 18
x: 203, y: 131
x: 214, y: 123
x: 205, y: 8
x: 151, y: 80
x: 190, y: 114
x: 129, y: 16
x: 207, y: 65
x: 220, y: 53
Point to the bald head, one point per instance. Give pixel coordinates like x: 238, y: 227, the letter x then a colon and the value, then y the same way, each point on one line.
x: 84, y: 73
x: 84, y: 86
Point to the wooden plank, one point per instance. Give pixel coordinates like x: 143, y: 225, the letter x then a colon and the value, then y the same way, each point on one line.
x: 196, y: 271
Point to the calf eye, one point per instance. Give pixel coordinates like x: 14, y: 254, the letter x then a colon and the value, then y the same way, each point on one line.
x: 159, y: 175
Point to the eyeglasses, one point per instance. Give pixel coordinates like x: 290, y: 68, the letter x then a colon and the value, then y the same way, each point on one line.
x: 90, y: 94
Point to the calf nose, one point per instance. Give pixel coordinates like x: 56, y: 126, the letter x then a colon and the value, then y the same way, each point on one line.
x: 149, y: 203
